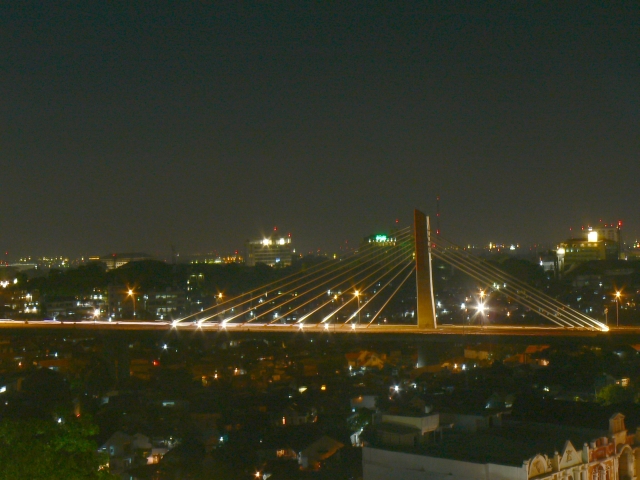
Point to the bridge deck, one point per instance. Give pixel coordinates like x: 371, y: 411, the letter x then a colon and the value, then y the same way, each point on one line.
x: 342, y: 329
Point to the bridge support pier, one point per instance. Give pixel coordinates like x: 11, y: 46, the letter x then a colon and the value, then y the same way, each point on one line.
x: 426, y: 311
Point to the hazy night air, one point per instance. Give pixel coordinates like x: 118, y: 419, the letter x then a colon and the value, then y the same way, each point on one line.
x: 134, y: 128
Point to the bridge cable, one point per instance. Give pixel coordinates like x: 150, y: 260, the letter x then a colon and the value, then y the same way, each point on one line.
x: 298, y: 297
x: 354, y: 258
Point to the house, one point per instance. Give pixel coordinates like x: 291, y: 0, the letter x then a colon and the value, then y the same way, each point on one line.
x: 129, y: 451
x: 313, y: 454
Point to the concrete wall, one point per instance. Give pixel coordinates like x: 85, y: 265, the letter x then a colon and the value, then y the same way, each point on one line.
x: 465, y: 423
x: 425, y: 424
x: 378, y: 464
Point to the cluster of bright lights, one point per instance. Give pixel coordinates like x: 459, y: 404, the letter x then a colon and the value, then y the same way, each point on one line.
x: 279, y: 241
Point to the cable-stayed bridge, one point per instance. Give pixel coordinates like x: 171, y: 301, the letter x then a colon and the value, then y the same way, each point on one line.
x: 354, y: 293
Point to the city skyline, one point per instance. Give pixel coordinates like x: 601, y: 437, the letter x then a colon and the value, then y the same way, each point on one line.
x: 137, y: 128
x: 345, y: 248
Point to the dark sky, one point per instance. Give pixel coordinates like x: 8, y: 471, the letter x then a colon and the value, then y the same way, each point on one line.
x: 131, y: 126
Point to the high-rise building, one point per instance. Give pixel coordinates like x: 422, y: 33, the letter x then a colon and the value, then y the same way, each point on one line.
x: 272, y: 251
x: 602, y: 242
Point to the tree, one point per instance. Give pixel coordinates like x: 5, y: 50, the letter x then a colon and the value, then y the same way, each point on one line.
x: 45, y: 449
x: 614, y: 394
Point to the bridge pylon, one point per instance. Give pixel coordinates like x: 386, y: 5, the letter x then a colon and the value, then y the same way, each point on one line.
x: 426, y: 310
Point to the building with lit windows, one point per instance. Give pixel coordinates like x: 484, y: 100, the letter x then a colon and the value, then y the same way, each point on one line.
x: 165, y: 303
x: 579, y: 250
x: 116, y: 260
x: 380, y: 240
x: 273, y: 251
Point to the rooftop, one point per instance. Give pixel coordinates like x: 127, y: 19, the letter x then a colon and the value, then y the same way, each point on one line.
x: 508, y: 445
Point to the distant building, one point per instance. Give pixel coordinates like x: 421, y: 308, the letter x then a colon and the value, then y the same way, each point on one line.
x: 116, y: 260
x: 602, y: 242
x: 580, y: 250
x: 211, y: 258
x: 78, y: 307
x: 272, y: 251
x: 609, y: 231
x: 551, y: 262
x: 165, y: 303
x: 379, y: 240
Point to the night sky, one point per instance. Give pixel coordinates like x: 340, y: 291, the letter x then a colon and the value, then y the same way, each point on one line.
x: 130, y: 126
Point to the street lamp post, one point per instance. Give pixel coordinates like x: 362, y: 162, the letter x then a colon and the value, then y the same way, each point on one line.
x: 357, y: 294
x: 132, y: 294
x: 617, y: 308
x: 481, y: 312
x: 481, y: 307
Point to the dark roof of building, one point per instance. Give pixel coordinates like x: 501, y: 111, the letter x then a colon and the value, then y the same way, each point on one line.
x: 508, y: 445
x: 573, y: 414
x: 513, y: 444
x: 396, y: 428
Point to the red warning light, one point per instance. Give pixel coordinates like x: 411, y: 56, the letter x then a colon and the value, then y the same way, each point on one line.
x: 156, y: 363
x: 275, y: 229
x: 289, y: 234
x: 619, y: 223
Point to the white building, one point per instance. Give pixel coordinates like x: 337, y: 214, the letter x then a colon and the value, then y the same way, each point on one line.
x: 509, y: 453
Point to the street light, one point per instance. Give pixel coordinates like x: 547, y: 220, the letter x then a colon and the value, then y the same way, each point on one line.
x: 480, y: 308
x: 618, y: 293
x: 357, y: 294
x: 131, y: 294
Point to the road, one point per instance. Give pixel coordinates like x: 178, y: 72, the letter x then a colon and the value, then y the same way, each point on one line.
x: 132, y: 325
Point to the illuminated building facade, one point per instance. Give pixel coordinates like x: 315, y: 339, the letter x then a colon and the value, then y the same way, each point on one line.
x: 579, y: 250
x: 273, y: 251
x: 380, y: 240
x: 602, y: 242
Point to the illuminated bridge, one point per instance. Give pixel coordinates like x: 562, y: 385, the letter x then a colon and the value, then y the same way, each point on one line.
x: 352, y: 294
